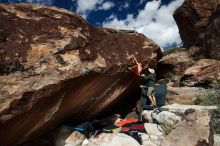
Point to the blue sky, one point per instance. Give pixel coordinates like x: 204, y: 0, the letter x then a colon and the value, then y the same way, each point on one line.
x: 153, y: 18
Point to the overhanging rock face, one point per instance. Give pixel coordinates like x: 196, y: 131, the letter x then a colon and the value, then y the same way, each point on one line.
x: 54, y: 65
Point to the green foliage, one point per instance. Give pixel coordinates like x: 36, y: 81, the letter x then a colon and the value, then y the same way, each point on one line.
x: 199, y: 100
x: 215, y: 120
x: 167, y: 128
x: 172, y: 77
x: 212, y: 98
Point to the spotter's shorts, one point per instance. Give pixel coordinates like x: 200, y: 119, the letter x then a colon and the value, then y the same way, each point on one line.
x: 151, y: 91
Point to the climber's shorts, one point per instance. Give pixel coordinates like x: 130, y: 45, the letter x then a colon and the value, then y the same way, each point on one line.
x: 151, y: 91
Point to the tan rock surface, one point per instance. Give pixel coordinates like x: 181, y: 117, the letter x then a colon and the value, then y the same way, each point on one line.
x: 194, y: 130
x: 205, y: 71
x: 175, y: 63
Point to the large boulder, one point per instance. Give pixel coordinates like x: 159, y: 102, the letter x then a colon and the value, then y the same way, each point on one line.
x: 55, y: 66
x: 198, y: 22
x: 194, y: 130
x: 212, y: 37
x: 203, y: 72
x: 179, y: 60
x: 175, y: 63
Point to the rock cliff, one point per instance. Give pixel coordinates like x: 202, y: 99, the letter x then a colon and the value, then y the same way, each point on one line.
x: 198, y: 22
x: 55, y: 66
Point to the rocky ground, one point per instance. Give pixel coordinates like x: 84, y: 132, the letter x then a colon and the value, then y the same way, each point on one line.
x: 175, y: 125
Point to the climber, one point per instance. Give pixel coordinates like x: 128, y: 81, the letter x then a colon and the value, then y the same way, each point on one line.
x: 151, y: 80
x: 137, y: 68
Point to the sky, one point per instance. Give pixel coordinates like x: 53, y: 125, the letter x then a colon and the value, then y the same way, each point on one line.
x: 153, y: 18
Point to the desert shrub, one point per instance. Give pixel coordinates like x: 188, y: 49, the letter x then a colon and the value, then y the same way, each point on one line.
x: 173, y: 77
x: 212, y: 98
x: 167, y: 128
x: 216, y: 120
x: 199, y: 99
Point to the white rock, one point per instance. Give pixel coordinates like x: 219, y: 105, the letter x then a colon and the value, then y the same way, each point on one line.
x: 75, y: 139
x: 68, y: 144
x: 152, y: 129
x: 217, y: 140
x: 177, y: 108
x: 149, y: 143
x: 85, y: 142
x: 157, y: 139
x: 151, y: 140
x: 166, y: 117
x: 118, y: 139
x: 147, y: 115
x: 154, y: 137
x: 145, y: 137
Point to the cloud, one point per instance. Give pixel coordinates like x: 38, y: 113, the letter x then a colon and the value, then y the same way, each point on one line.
x: 84, y: 7
x: 141, y: 2
x: 125, y: 6
x: 155, y: 21
x: 106, y: 6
